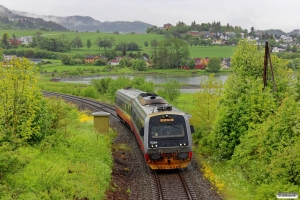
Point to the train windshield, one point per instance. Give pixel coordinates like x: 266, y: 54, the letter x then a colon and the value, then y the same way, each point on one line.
x: 167, y: 126
x: 167, y: 131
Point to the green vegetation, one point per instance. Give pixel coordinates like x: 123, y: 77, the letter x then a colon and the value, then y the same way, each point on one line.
x: 214, y: 64
x: 46, y: 150
x: 250, y: 131
x: 139, y: 39
x: 170, y: 90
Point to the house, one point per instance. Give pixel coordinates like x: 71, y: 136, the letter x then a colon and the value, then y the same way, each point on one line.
x: 223, y: 36
x: 230, y: 34
x: 91, y: 58
x: 201, y: 63
x: 9, y: 57
x: 115, y: 61
x: 205, y: 34
x: 14, y: 41
x: 167, y: 26
x: 194, y: 33
x: 25, y: 39
x: 103, y: 58
x: 218, y: 42
x: 258, y: 34
x: 35, y: 60
x: 225, y: 64
x: 277, y: 49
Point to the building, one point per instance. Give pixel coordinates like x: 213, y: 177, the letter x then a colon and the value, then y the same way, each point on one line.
x: 8, y: 58
x: 115, y: 61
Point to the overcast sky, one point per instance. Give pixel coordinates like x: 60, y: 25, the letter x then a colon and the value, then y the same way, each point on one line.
x: 260, y: 14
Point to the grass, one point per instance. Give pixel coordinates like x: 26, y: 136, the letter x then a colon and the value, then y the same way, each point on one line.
x: 227, y: 179
x: 184, y: 102
x: 75, y: 164
x: 211, y: 51
x: 57, y: 66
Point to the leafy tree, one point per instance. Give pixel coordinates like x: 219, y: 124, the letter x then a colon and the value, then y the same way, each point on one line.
x: 90, y: 92
x: 191, y: 64
x: 140, y: 83
x: 77, y: 42
x: 122, y: 46
x: 214, y: 64
x: 5, y: 41
x: 14, y: 41
x: 105, y: 42
x: 204, y: 112
x: 125, y: 62
x: 20, y: 102
x: 252, y: 33
x: 171, y: 52
x: 66, y: 59
x: 111, y: 54
x: 139, y: 65
x: 146, y: 44
x: 154, y: 43
x: 294, y: 48
x: 100, y: 62
x: 170, y: 90
x: 117, y: 84
x: 244, y: 104
x: 132, y: 46
x: 102, y: 84
x: 88, y: 43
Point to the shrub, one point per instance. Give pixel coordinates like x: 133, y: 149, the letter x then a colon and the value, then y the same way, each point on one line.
x: 100, y: 62
x: 65, y: 59
x: 90, y: 92
x: 76, y: 62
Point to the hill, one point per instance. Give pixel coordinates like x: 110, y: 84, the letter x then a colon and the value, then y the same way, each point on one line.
x: 86, y: 23
x: 11, y: 20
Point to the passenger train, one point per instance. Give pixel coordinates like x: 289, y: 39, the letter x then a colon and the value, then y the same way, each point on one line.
x: 162, y: 131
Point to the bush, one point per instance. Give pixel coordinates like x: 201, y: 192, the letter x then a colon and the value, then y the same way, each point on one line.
x: 90, y: 92
x: 170, y: 91
x: 100, y: 62
x: 101, y: 85
x: 76, y: 62
x: 139, y: 65
x: 65, y: 59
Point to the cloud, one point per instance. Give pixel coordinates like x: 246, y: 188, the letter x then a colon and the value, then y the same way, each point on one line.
x: 263, y: 14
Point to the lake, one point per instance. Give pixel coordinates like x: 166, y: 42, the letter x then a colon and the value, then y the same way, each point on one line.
x: 157, y: 79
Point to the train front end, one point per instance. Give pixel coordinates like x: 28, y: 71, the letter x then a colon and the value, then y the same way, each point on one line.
x: 168, y: 140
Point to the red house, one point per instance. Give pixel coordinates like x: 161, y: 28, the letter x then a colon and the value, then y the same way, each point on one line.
x: 201, y: 63
x: 194, y: 33
x: 166, y: 26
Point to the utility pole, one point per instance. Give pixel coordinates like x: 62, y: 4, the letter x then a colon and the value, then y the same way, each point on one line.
x: 268, y: 59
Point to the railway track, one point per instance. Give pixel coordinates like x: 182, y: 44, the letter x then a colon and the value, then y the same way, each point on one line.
x: 170, y: 185
x: 85, y: 103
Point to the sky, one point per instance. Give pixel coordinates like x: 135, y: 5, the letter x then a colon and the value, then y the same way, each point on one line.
x: 260, y: 14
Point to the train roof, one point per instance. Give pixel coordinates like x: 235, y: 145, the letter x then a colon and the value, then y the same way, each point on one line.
x: 149, y: 102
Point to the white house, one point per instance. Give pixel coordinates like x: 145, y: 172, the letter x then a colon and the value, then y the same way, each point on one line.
x: 9, y: 57
x: 25, y: 39
x: 115, y: 61
x: 277, y: 49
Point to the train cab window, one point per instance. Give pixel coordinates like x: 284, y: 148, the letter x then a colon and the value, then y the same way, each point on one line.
x: 167, y: 131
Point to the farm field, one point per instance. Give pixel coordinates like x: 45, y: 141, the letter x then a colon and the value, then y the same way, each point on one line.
x: 140, y: 39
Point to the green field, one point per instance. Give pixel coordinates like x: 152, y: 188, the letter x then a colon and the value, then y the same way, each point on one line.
x: 140, y: 39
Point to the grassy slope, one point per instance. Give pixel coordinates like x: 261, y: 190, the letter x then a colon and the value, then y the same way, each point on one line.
x: 71, y: 164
